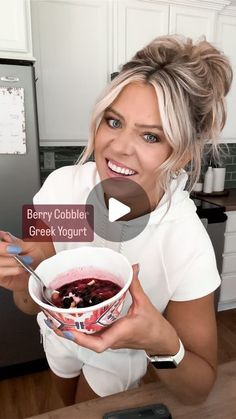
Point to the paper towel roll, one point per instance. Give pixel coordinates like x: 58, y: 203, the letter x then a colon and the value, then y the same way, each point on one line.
x: 218, y: 179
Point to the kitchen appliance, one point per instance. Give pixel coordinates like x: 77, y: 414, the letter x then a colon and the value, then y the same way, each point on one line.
x: 214, y: 219
x: 20, y: 346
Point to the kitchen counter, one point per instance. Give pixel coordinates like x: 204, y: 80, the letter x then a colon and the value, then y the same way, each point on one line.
x: 220, y: 403
x: 229, y: 202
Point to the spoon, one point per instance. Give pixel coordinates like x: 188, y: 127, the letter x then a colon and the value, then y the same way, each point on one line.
x: 46, y: 292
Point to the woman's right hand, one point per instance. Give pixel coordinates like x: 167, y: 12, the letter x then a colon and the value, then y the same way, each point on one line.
x: 12, y: 275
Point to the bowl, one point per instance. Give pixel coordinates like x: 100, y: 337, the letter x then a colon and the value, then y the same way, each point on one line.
x: 101, y: 263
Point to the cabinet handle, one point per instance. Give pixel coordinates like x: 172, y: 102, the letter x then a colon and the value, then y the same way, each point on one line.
x: 10, y: 79
x: 113, y: 75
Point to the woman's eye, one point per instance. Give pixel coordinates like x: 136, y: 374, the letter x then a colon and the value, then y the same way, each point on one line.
x: 113, y: 123
x: 151, y: 138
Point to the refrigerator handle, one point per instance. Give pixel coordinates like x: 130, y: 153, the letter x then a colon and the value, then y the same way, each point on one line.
x: 10, y: 79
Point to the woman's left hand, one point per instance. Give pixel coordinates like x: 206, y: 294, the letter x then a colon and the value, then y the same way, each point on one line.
x: 142, y: 328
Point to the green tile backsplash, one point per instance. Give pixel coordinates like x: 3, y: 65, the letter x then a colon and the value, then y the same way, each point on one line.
x: 228, y: 160
x: 65, y: 156
x: 230, y: 165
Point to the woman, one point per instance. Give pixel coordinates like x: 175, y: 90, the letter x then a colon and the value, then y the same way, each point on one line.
x: 152, y: 120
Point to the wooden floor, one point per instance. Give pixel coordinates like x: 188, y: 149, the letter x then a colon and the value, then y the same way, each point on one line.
x: 34, y: 394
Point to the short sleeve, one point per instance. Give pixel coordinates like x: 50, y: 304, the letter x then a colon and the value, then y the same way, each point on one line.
x: 191, y: 264
x: 199, y: 278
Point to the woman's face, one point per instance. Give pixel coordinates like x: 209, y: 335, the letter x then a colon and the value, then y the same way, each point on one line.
x: 130, y: 141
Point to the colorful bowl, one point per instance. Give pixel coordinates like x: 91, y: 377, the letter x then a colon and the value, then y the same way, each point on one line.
x: 99, y: 262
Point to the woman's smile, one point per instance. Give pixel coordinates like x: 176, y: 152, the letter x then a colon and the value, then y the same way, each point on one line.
x: 115, y: 169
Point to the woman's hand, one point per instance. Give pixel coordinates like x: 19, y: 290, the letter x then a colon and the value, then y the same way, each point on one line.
x: 12, y: 275
x: 142, y: 328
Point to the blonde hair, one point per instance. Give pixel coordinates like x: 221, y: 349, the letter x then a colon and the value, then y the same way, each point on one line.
x: 191, y: 82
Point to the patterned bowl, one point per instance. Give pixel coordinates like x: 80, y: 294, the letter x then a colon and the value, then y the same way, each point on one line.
x: 98, y: 262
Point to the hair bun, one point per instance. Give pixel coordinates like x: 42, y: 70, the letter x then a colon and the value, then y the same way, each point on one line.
x: 215, y: 68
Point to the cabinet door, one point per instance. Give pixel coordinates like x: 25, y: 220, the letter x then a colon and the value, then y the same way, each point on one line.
x: 228, y: 286
x: 231, y: 222
x: 138, y: 22
x: 228, y: 292
x: 230, y: 243
x: 71, y: 46
x: 226, y: 35
x: 15, y: 29
x: 192, y: 21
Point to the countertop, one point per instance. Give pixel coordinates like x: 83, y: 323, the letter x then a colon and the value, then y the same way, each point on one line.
x: 220, y: 403
x: 229, y: 201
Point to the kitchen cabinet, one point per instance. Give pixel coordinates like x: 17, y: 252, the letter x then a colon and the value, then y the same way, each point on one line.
x: 71, y: 43
x: 78, y: 44
x: 193, y: 21
x: 228, y: 286
x: 226, y: 35
x: 137, y: 23
x: 15, y: 30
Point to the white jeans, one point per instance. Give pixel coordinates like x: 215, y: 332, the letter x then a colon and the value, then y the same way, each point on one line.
x: 106, y: 373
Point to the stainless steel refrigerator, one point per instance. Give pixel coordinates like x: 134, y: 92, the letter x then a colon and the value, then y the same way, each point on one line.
x: 19, y: 181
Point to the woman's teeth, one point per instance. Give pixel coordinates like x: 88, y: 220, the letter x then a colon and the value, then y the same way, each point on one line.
x: 120, y: 170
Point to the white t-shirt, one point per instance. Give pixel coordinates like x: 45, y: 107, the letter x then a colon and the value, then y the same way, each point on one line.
x: 174, y: 251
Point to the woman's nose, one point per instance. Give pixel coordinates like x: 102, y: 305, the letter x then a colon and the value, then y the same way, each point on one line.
x: 123, y: 143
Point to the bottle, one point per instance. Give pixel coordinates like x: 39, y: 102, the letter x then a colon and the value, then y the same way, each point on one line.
x: 208, y: 181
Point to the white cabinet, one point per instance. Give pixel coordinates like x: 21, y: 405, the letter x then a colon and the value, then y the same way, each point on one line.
x: 15, y: 29
x: 71, y: 42
x: 226, y: 35
x: 137, y: 23
x: 79, y: 43
x: 192, y: 21
x: 228, y: 286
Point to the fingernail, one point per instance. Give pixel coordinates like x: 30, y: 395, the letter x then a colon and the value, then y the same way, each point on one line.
x: 68, y: 335
x: 27, y: 259
x: 14, y: 249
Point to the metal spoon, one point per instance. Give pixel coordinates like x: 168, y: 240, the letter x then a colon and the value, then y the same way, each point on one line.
x: 46, y: 292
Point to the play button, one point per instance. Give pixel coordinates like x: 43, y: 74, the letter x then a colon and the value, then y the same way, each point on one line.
x: 121, y: 209
x: 116, y: 210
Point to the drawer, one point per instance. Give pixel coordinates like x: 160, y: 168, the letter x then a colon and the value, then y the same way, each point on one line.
x: 230, y: 243
x: 229, y: 263
x: 228, y: 288
x: 231, y: 222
